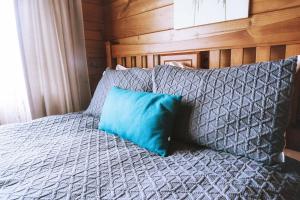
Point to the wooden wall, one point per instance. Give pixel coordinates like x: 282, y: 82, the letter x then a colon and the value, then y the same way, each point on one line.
x: 151, y: 21
x: 94, y: 39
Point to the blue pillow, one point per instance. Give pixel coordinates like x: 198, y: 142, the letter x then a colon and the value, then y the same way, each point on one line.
x: 143, y: 118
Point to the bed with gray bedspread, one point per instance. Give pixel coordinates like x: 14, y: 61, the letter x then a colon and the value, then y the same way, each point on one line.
x: 67, y: 157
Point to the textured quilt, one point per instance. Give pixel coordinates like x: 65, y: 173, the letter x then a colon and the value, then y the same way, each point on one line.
x: 66, y: 157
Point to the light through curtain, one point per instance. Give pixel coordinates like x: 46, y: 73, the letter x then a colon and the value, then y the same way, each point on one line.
x: 13, y: 96
x: 43, y: 66
x: 52, y: 40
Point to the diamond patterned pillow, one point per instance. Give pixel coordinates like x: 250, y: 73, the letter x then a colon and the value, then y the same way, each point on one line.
x: 133, y: 79
x: 242, y: 110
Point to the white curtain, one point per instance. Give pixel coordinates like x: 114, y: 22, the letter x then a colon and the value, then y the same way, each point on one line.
x: 51, y: 35
x: 13, y: 97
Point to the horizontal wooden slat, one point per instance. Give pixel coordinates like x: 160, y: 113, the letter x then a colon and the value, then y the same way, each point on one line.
x: 130, y: 8
x: 139, y: 24
x: 92, y: 12
x: 93, y: 35
x: 97, y: 62
x: 284, y: 22
x: 94, y: 49
x: 260, y: 6
x: 98, y: 2
x: 93, y: 26
x: 186, y: 34
x: 153, y: 28
x: 230, y: 40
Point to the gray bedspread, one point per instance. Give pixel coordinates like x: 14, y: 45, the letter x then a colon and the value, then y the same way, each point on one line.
x: 66, y: 157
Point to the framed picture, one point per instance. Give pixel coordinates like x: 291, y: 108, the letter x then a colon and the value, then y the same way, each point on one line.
x: 189, y: 13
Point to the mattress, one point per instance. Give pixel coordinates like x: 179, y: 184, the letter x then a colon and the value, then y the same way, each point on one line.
x: 66, y: 157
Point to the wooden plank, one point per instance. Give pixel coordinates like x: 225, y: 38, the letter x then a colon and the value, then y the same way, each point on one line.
x: 263, y: 53
x: 128, y: 61
x: 156, y: 34
x: 292, y: 154
x: 249, y: 55
x: 93, y: 26
x: 108, y: 54
x: 119, y: 60
x: 150, y: 61
x: 230, y: 40
x: 236, y: 56
x: 93, y: 35
x: 92, y: 12
x: 96, y: 62
x: 156, y: 60
x: 186, y: 34
x: 140, y: 24
x: 225, y: 55
x: 292, y: 50
x: 214, y: 59
x: 261, y: 6
x: 138, y: 61
x: 144, y: 61
x: 98, y: 2
x: 277, y: 52
x: 94, y: 49
x: 130, y: 8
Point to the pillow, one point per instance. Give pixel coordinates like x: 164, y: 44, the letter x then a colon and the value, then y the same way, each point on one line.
x: 133, y: 78
x: 143, y: 118
x: 180, y: 65
x: 242, y: 110
x: 121, y: 67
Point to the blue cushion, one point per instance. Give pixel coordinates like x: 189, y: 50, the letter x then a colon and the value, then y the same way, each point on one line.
x: 143, y: 118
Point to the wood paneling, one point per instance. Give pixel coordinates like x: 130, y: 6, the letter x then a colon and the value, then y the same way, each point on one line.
x: 94, y: 39
x: 139, y: 24
x: 156, y: 19
x: 261, y: 6
x: 130, y: 8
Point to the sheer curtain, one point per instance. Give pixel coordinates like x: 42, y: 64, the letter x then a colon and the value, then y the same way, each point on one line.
x: 13, y: 97
x: 43, y: 67
x: 53, y: 50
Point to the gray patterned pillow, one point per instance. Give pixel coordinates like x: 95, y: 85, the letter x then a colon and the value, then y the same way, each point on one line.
x: 133, y: 79
x: 242, y: 110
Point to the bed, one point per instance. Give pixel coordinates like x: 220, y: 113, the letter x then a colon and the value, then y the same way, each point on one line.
x: 67, y: 157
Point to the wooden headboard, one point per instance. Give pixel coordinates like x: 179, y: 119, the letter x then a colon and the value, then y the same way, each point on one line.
x: 216, y: 51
